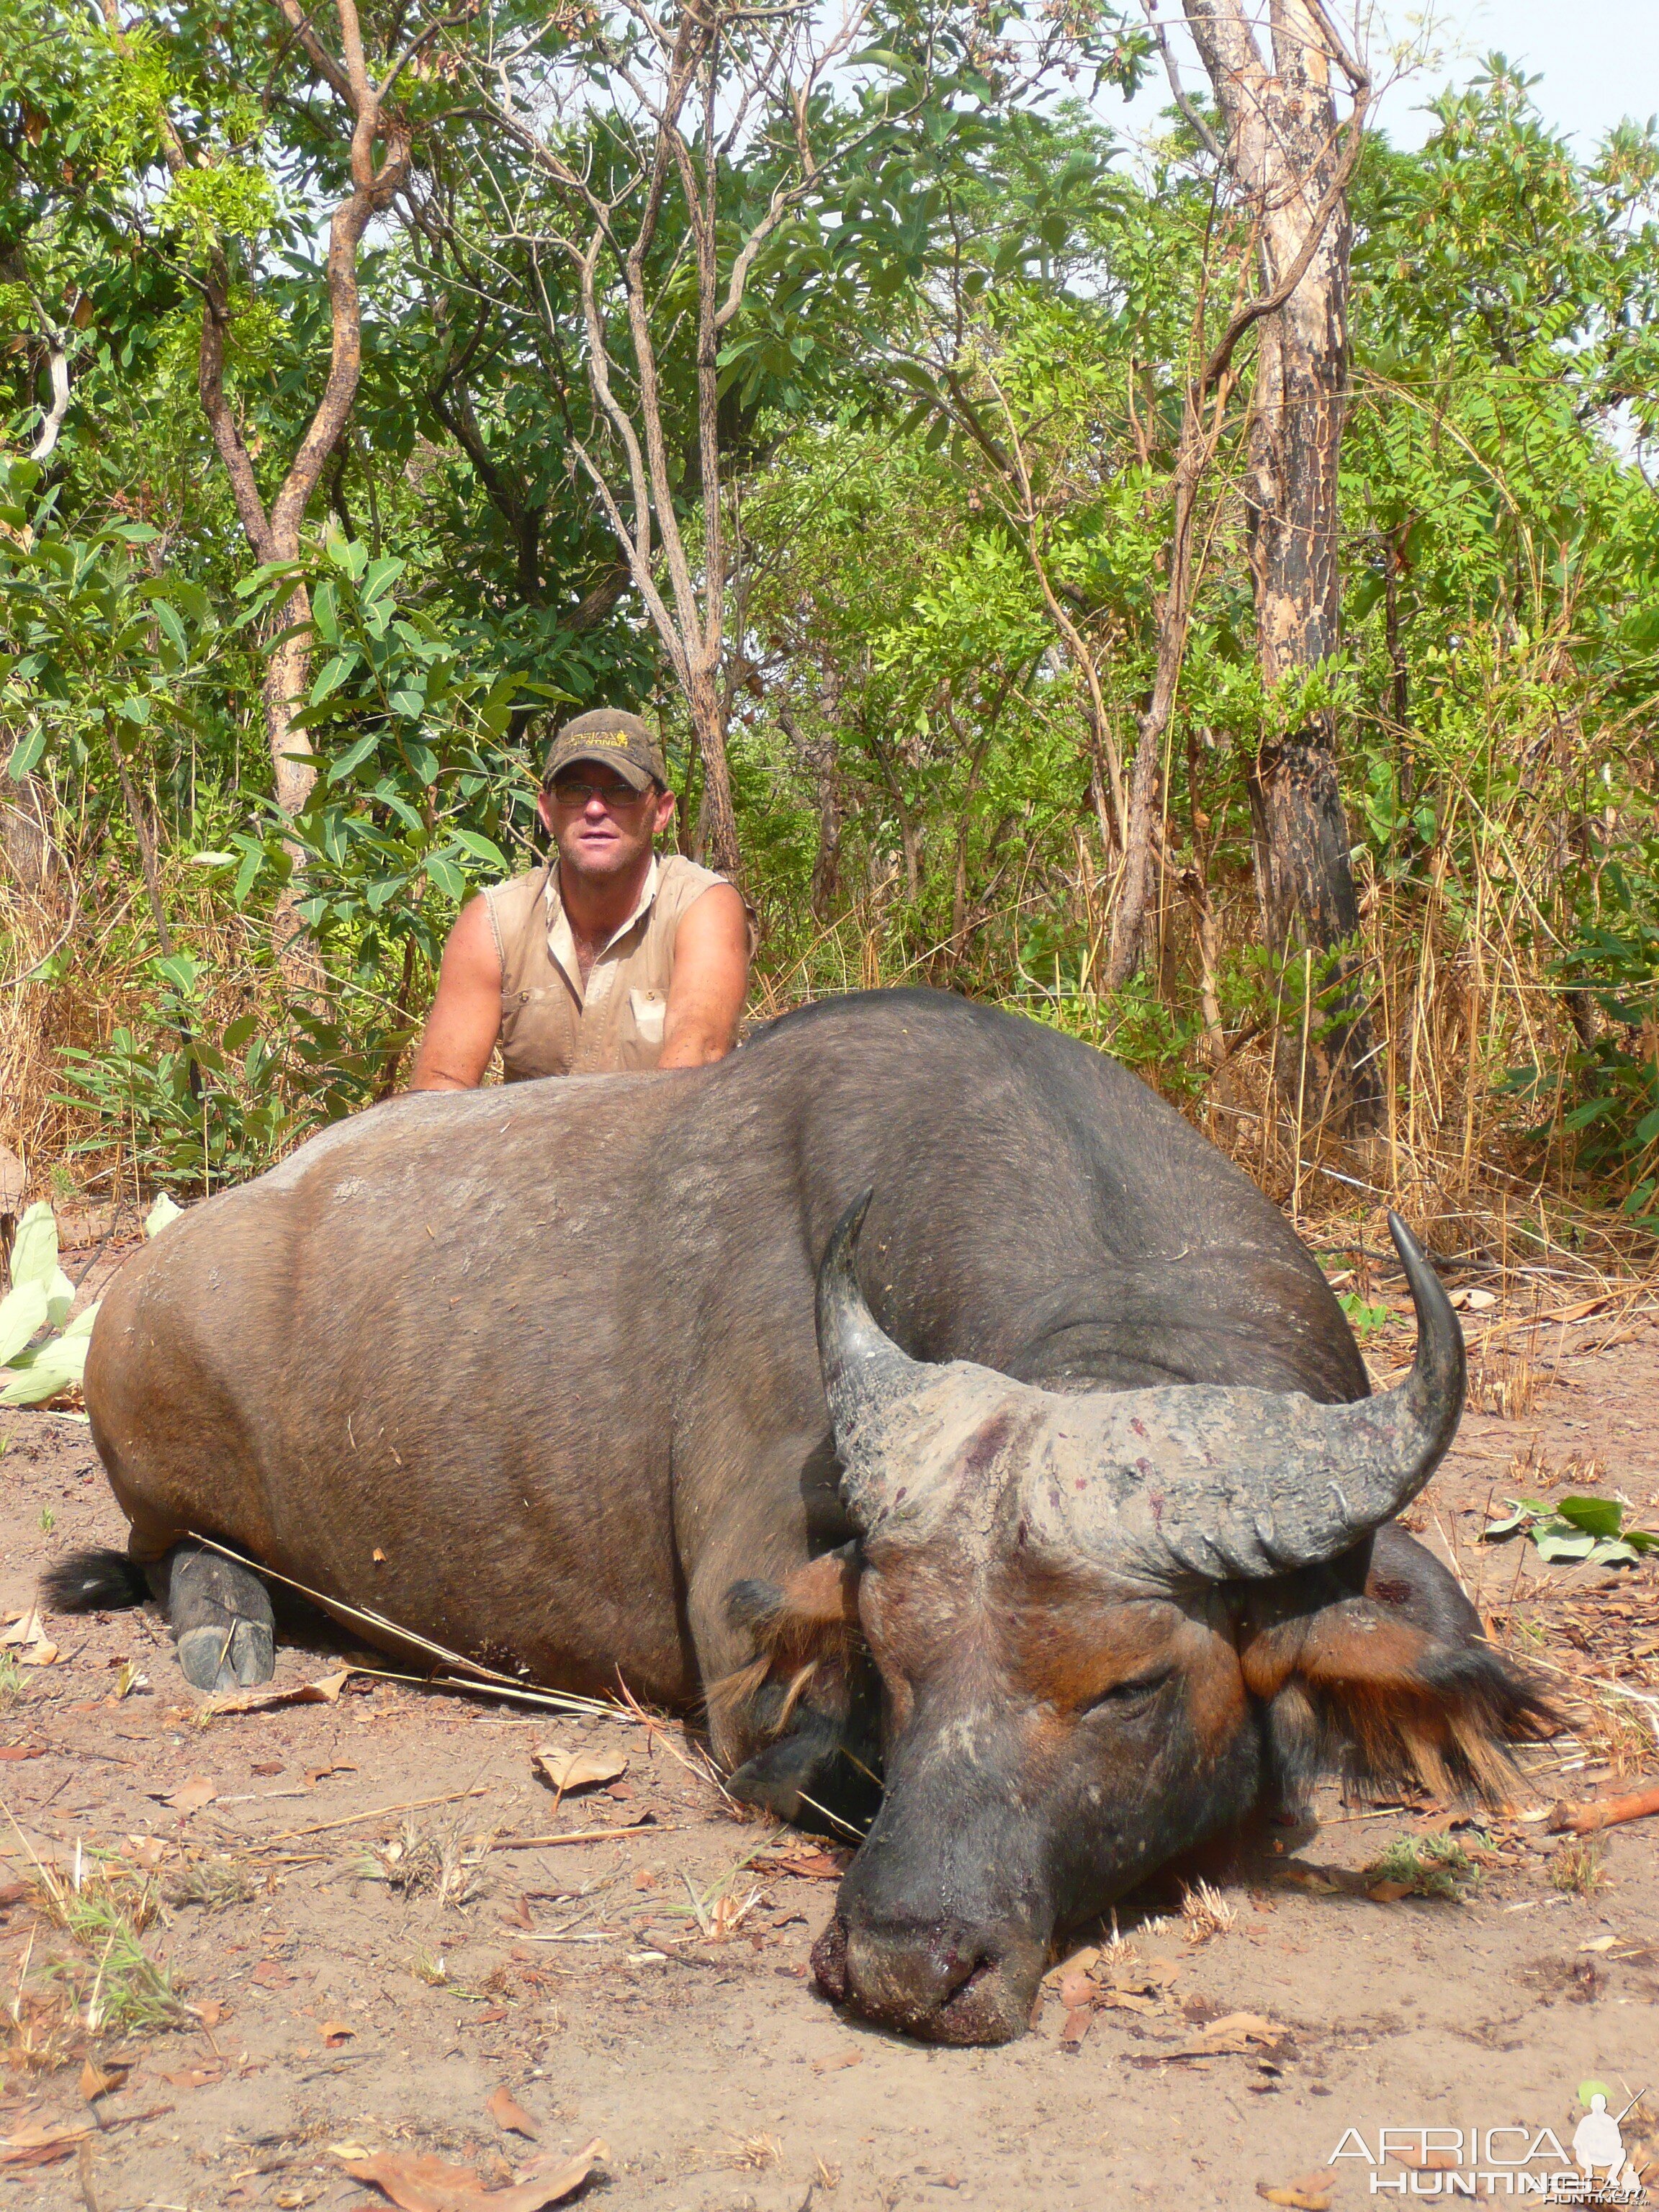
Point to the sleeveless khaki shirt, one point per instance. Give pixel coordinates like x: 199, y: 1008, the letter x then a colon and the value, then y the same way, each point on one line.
x: 549, y: 1025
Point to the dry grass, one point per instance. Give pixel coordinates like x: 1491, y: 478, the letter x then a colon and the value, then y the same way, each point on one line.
x: 1205, y: 1912
x: 1576, y: 1869
x: 104, y: 1907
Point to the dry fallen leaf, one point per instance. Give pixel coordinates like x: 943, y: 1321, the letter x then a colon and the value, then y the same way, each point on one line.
x: 334, y: 2033
x: 842, y: 2059
x: 418, y: 2183
x: 23, y: 1750
x: 507, y: 2112
x: 39, y: 1655
x: 95, y: 2083
x: 578, y: 1770
x: 325, y: 1691
x: 425, y: 2184
x: 1236, y: 2033
x: 210, y: 2012
x: 1312, y: 2193
x: 191, y: 1796
x: 809, y: 1866
x: 28, y: 1628
x: 1389, y: 1892
x: 1076, y: 1988
x: 1077, y: 2023
x: 147, y: 1851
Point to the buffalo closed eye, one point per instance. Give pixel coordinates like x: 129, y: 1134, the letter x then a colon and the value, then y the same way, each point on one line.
x: 1138, y: 1690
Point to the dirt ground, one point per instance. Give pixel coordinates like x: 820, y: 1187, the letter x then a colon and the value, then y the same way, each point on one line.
x: 358, y: 1948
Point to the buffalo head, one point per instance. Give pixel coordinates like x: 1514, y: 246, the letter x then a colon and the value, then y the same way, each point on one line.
x: 1104, y: 1625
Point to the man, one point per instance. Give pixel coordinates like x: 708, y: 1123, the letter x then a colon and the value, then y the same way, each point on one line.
x: 605, y: 959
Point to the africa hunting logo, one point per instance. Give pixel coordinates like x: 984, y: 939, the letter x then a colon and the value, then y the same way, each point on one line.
x: 1599, y: 2167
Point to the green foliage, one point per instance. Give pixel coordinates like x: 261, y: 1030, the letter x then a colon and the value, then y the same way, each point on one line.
x: 1579, y: 1531
x: 1428, y: 1866
x: 42, y: 1352
x: 1364, y: 1318
x: 949, y: 403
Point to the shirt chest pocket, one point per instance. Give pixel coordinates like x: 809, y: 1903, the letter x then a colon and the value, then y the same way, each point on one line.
x: 647, y: 1011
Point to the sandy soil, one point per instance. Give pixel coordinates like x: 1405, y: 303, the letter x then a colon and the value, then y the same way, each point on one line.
x: 340, y: 1892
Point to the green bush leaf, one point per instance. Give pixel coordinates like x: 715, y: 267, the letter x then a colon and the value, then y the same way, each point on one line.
x: 1601, y: 1516
x: 35, y: 1248
x: 23, y: 1315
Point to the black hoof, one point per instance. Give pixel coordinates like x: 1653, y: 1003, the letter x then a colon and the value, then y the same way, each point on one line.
x: 221, y: 1615
x: 238, y: 1655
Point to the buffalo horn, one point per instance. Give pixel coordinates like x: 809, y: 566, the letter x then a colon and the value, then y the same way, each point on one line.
x: 1223, y: 1483
x: 864, y: 1373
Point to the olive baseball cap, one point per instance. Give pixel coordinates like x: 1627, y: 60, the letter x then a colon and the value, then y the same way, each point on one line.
x: 618, y: 740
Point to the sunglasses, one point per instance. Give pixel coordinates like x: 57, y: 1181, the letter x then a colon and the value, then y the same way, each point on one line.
x: 575, y: 791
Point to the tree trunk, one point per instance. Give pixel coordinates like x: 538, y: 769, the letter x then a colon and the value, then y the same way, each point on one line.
x: 717, y: 820
x: 1283, y: 151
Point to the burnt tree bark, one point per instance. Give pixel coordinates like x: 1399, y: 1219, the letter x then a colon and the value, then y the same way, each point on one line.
x: 1289, y: 162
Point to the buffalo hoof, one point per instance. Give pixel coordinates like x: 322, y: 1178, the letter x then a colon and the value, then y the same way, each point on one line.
x: 238, y: 1655
x: 220, y: 1612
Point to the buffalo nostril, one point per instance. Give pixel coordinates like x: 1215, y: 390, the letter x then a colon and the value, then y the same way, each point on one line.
x: 829, y: 1959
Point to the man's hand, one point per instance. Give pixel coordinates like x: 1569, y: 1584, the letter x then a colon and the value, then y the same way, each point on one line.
x: 710, y: 976
x: 466, y: 1011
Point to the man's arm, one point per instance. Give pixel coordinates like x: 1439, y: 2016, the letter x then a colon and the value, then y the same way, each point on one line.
x: 467, y: 1013
x: 710, y: 976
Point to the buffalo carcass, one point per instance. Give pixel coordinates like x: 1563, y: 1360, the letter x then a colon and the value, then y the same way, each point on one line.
x: 1071, y: 1513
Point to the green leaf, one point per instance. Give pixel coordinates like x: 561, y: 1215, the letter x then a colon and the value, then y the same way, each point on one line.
x: 353, y: 757
x: 23, y: 1315
x: 1601, y: 1516
x: 483, y: 848
x: 58, y: 1366
x: 1510, y: 1525
x: 1558, y: 1541
x: 60, y: 1297
x: 333, y: 675
x: 35, y: 1248
x: 253, y: 859
x: 167, y: 621
x: 162, y: 1212
x: 25, y: 755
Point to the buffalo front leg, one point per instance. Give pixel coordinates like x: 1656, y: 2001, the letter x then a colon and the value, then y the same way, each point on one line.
x: 221, y: 1617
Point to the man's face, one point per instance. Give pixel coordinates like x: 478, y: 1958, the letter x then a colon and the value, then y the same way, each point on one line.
x: 600, y: 824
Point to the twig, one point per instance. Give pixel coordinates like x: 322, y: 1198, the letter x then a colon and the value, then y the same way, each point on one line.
x: 580, y: 1835
x: 567, y: 1701
x: 375, y: 1813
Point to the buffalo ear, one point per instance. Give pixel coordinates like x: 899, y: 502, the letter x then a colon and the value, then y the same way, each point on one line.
x: 807, y: 1643
x: 805, y: 1708
x: 823, y: 1593
x: 1352, y: 1685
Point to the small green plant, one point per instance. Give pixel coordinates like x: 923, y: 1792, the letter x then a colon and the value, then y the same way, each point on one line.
x: 37, y: 1308
x: 1428, y: 1866
x: 48, y: 1520
x: 12, y: 1679
x: 1364, y: 1318
x: 1586, y: 1531
x: 104, y: 1908
x: 1576, y: 1870
x: 213, y: 1884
